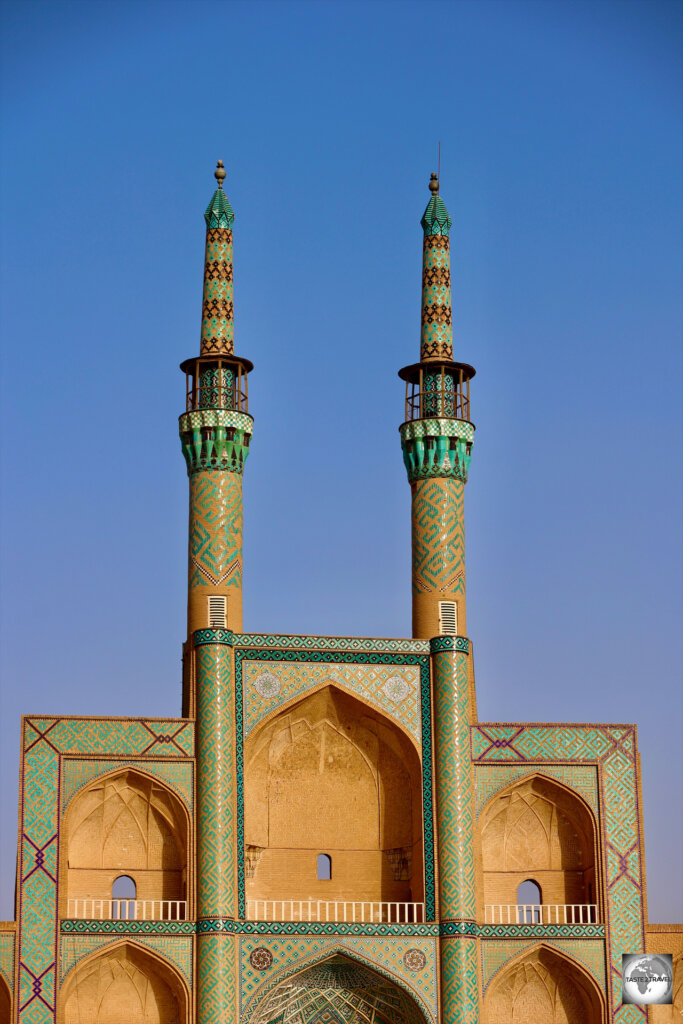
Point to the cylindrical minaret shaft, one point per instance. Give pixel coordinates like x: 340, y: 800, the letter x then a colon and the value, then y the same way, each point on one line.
x: 215, y: 432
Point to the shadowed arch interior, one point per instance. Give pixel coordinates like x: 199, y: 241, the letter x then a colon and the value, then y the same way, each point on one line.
x: 5, y: 1002
x: 336, y: 991
x: 539, y: 830
x: 126, y: 824
x: 331, y: 775
x: 544, y: 987
x: 124, y: 983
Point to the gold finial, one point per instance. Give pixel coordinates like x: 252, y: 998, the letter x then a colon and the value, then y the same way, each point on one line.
x: 219, y: 173
x: 434, y: 183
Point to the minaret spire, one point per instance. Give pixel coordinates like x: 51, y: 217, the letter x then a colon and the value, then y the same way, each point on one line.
x: 218, y: 335
x: 436, y: 336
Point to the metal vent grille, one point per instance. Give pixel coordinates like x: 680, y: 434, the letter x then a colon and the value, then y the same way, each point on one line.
x: 217, y: 611
x: 448, y: 618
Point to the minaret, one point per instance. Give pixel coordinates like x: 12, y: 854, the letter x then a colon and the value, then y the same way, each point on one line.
x: 437, y: 441
x: 436, y: 438
x: 215, y: 431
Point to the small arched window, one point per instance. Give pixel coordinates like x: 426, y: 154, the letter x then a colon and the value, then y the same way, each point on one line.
x: 123, y: 893
x: 324, y: 867
x: 529, y: 903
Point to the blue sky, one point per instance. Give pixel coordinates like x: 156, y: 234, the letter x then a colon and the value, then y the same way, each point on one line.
x: 560, y: 126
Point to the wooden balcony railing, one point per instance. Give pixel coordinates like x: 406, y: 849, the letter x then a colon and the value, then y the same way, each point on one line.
x: 127, y: 910
x: 335, y: 911
x: 541, y: 913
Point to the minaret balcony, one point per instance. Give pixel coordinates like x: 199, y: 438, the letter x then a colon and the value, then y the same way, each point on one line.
x: 216, y: 382
x: 438, y: 390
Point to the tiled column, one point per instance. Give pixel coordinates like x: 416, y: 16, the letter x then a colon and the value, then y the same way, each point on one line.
x: 216, y: 827
x: 455, y: 831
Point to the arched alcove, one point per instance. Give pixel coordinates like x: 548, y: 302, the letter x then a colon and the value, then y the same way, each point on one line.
x: 5, y: 1002
x: 331, y: 774
x: 123, y: 983
x: 545, y: 987
x: 337, y: 989
x: 126, y: 824
x: 538, y: 830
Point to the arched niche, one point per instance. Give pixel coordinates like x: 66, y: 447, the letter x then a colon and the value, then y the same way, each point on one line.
x: 332, y: 775
x: 5, y: 1002
x: 546, y: 987
x: 538, y: 829
x: 124, y: 823
x: 337, y: 988
x: 125, y: 982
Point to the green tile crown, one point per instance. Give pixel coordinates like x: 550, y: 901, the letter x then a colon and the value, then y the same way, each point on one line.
x: 436, y: 219
x: 219, y: 213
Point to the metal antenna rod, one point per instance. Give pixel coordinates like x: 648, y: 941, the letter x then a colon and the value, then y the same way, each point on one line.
x: 438, y: 170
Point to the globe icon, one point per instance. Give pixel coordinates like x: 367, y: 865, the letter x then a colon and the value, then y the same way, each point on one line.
x: 647, y: 980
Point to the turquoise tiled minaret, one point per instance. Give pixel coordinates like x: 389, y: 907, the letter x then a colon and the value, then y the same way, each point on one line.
x: 215, y: 433
x: 437, y: 442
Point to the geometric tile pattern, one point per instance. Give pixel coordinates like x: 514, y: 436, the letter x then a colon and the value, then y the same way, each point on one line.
x: 436, y: 336
x: 589, y: 952
x: 339, y: 659
x: 613, y: 749
x: 81, y: 926
x: 216, y: 981
x: 45, y: 740
x: 455, y: 829
x: 454, y: 786
x: 388, y: 645
x: 216, y: 852
x: 459, y: 981
x: 217, y: 301
x: 215, y: 529
x: 438, y: 537
x: 178, y: 951
x: 178, y: 775
x: 7, y: 958
x: 384, y: 956
x: 369, y: 681
x: 489, y: 779
x: 435, y: 427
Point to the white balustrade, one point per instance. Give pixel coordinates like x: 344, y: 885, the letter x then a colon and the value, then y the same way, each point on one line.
x: 541, y: 913
x: 127, y: 910
x: 335, y: 911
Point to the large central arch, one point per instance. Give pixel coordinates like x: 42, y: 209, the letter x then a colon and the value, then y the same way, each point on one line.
x: 337, y: 990
x: 332, y: 776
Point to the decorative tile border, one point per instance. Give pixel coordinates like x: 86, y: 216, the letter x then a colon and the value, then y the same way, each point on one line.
x: 612, y: 749
x: 591, y: 953
x: 72, y: 925
x: 389, y: 645
x: 75, y: 948
x: 331, y: 657
x: 46, y: 739
x: 291, y: 957
x: 177, y: 775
